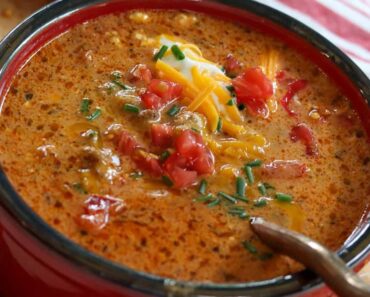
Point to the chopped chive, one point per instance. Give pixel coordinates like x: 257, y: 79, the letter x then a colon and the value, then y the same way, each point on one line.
x: 222, y: 68
x: 283, y: 197
x: 195, y: 130
x: 241, y: 106
x: 131, y: 108
x: 179, y: 55
x: 249, y: 247
x: 28, y: 96
x: 241, y: 198
x: 174, y: 110
x: 167, y: 181
x: 265, y: 256
x: 231, y: 102
x: 268, y: 186
x: 204, y: 198
x: 219, y: 125
x: 79, y: 188
x: 240, y: 186
x: 262, y: 189
x: 121, y: 85
x: 203, y: 187
x: 244, y: 215
x: 238, y: 211
x: 85, y: 105
x: 163, y: 157
x: 227, y: 197
x: 115, y: 75
x: 231, y: 89
x: 255, y: 163
x: 160, y: 53
x: 260, y: 202
x: 96, y: 113
x: 249, y: 172
x: 136, y: 174
x: 214, y: 202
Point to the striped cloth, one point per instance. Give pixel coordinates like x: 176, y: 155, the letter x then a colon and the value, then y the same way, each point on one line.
x: 346, y: 23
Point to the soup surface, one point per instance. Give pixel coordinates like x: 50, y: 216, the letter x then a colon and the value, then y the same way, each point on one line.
x: 150, y: 138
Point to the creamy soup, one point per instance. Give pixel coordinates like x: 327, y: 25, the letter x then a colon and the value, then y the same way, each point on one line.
x: 151, y: 137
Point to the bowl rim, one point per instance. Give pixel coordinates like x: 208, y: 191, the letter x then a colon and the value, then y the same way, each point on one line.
x: 353, y: 251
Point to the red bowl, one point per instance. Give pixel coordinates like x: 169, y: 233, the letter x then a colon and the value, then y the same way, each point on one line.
x: 38, y: 261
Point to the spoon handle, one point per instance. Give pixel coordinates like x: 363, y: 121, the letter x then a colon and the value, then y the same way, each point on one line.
x: 328, y: 265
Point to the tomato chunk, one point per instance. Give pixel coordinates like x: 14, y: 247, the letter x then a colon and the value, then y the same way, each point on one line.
x: 141, y: 72
x: 253, y: 88
x: 126, y: 143
x: 147, y: 162
x: 284, y: 169
x: 204, y: 163
x: 165, y: 89
x: 176, y: 167
x: 162, y: 135
x: 97, y: 210
x: 304, y: 134
x: 293, y: 88
x: 151, y: 100
x: 232, y: 66
x: 189, y: 144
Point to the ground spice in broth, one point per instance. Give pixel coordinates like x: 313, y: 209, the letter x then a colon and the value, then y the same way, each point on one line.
x: 150, y: 137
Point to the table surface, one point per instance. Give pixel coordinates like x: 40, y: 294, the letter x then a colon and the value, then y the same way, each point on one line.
x: 13, y: 11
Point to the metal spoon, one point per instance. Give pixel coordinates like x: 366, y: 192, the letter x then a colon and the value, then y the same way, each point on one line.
x: 328, y: 265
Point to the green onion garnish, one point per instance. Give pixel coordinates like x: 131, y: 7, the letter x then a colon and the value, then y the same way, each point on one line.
x: 163, y: 157
x: 179, y: 55
x: 241, y: 198
x: 136, y: 174
x: 249, y: 172
x: 85, y: 105
x: 283, y: 197
x: 265, y: 256
x: 131, y: 108
x: 231, y: 89
x: 174, y: 110
x: 262, y: 189
x: 79, y: 188
x: 238, y: 211
x: 260, y: 202
x: 231, y: 102
x: 195, y: 130
x: 241, y: 106
x: 203, y: 187
x: 227, y: 197
x: 240, y: 186
x: 115, y: 75
x: 121, y: 85
x: 167, y: 181
x: 214, y: 202
x: 219, y: 125
x: 96, y: 113
x: 249, y: 247
x: 160, y: 53
x: 255, y: 163
x: 268, y: 186
x: 203, y: 198
x: 244, y: 215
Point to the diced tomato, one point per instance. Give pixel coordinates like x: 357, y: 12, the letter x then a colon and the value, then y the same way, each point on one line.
x: 176, y: 167
x: 151, y: 100
x: 126, y: 143
x: 141, y: 72
x: 304, y: 134
x: 162, y: 135
x: 147, y: 162
x: 232, y: 66
x: 165, y: 89
x: 97, y: 210
x: 253, y: 88
x: 280, y: 75
x: 284, y: 169
x: 293, y: 88
x: 189, y: 144
x: 204, y: 163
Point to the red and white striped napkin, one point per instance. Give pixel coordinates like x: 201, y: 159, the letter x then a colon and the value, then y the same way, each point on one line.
x: 346, y: 23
